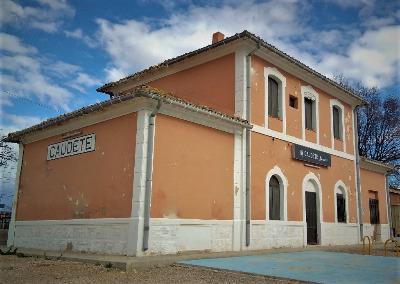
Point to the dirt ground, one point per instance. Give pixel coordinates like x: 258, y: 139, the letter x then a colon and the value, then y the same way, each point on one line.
x: 14, y: 269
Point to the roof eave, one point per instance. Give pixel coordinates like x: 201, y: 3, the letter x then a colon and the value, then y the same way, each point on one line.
x: 371, y: 164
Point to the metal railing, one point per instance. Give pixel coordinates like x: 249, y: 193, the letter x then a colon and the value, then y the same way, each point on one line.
x: 397, y: 246
x: 369, y: 244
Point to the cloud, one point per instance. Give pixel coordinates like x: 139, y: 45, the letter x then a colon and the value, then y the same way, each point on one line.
x: 5, y: 99
x: 41, y: 80
x: 11, y: 123
x: 78, y: 34
x: 58, y: 5
x: 373, y: 58
x: 371, y: 13
x: 84, y: 81
x: 13, y: 44
x: 28, y: 76
x: 368, y: 53
x: 17, y: 122
x: 378, y: 52
x: 46, y: 15
x: 352, y: 4
x: 62, y: 69
x: 134, y: 45
x: 114, y: 73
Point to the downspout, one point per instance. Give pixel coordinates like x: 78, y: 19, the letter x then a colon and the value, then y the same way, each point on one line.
x: 149, y: 175
x: 358, y: 185
x: 248, y: 142
x: 389, y: 209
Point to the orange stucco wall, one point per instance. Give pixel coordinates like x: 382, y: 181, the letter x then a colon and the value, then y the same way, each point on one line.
x: 193, y: 171
x: 311, y: 136
x: 211, y: 84
x: 373, y: 183
x: 268, y: 153
x: 97, y: 184
x: 294, y: 115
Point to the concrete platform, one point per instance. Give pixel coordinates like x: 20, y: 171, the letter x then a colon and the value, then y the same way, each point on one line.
x: 314, y: 266
x: 310, y: 260
x: 143, y: 262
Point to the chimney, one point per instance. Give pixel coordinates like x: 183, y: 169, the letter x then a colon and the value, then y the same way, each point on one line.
x: 218, y: 36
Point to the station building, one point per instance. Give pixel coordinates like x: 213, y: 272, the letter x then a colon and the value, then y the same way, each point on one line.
x: 234, y: 146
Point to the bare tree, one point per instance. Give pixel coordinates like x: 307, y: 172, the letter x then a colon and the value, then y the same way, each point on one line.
x: 7, y: 154
x: 378, y: 125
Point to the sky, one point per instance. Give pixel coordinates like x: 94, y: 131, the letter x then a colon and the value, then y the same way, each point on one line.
x: 54, y: 54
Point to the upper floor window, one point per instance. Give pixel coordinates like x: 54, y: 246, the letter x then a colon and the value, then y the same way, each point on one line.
x: 275, y: 88
x: 273, y: 98
x: 308, y: 113
x: 310, y: 119
x: 336, y: 121
x: 337, y: 124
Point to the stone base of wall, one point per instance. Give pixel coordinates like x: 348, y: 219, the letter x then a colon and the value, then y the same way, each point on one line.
x: 108, y: 236
x: 339, y: 234
x: 276, y: 234
x: 378, y: 232
x: 279, y: 234
x: 170, y: 236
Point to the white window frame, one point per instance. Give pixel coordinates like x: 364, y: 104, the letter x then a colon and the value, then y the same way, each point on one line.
x: 310, y: 93
x: 340, y: 188
x: 336, y: 103
x: 283, y: 183
x: 278, y: 77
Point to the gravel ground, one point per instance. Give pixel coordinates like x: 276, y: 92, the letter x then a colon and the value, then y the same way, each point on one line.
x: 15, y: 269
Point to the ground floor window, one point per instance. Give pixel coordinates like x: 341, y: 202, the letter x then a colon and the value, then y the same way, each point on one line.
x: 374, y: 211
x: 274, y: 199
x: 341, y: 208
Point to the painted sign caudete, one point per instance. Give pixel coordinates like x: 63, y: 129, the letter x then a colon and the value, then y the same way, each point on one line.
x: 71, y: 147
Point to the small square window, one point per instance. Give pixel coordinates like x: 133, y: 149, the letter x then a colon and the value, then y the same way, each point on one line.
x: 293, y: 102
